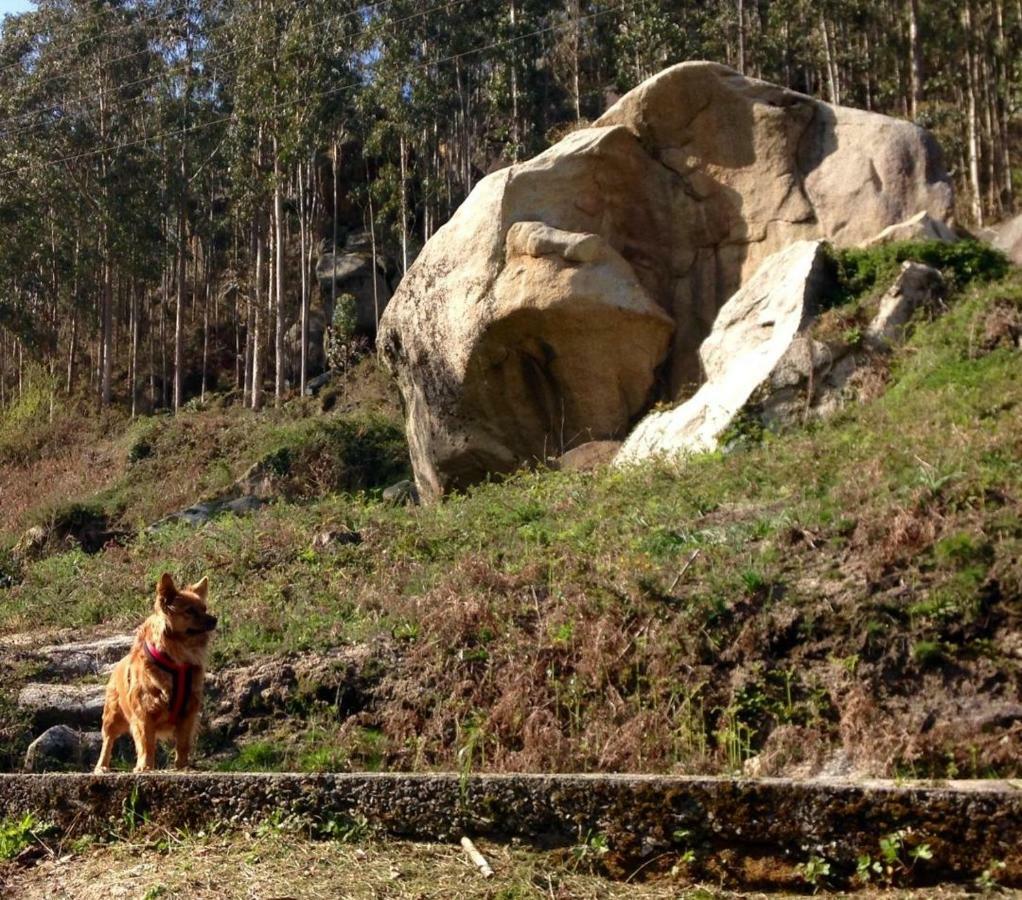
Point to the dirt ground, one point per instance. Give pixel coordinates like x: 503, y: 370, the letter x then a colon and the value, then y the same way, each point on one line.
x: 277, y: 866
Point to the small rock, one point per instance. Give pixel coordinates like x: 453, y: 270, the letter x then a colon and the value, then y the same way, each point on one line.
x: 338, y: 536
x: 31, y: 544
x: 314, y: 385
x: 402, y: 492
x: 60, y: 748
x: 242, y: 505
x: 1007, y: 237
x: 587, y: 457
x: 918, y: 287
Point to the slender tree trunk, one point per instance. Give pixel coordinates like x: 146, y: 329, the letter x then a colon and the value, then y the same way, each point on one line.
x: 303, y: 316
x: 278, y: 267
x: 515, y: 135
x: 335, y: 164
x: 973, y: 116
x: 257, y: 327
x: 404, y: 205
x: 131, y: 351
x: 372, y: 246
x: 828, y: 56
x: 741, y: 36
x: 916, y: 58
x: 182, y: 278
x: 576, y: 51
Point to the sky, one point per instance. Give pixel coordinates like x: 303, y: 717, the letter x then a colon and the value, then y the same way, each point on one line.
x: 13, y: 6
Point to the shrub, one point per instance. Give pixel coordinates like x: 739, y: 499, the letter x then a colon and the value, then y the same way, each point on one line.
x: 858, y: 271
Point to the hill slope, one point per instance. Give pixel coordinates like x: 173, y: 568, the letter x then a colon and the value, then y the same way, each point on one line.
x: 844, y: 597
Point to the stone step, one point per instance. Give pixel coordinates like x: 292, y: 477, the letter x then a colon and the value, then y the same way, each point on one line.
x: 77, y: 705
x: 967, y: 826
x: 81, y: 658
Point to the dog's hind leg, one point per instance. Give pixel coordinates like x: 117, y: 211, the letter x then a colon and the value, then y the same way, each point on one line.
x: 114, y: 725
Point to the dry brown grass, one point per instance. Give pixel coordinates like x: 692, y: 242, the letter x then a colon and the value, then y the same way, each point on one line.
x: 285, y: 866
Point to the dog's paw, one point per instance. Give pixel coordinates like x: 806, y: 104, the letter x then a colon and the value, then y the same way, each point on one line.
x: 101, y: 770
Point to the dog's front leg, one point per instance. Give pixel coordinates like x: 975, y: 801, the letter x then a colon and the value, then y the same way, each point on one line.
x: 144, y: 735
x: 184, y: 740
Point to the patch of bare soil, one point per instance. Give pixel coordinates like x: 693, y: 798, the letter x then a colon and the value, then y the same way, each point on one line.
x: 275, y: 866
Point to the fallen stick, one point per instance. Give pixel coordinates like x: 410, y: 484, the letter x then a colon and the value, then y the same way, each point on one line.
x: 480, y: 861
x: 684, y: 569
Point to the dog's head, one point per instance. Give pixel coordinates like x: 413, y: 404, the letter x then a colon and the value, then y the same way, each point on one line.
x: 183, y: 610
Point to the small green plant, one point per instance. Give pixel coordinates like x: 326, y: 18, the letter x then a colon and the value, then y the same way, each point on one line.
x: 852, y: 337
x: 590, y: 850
x: 815, y: 871
x: 343, y: 347
x: 17, y: 834
x: 896, y: 860
x: 346, y: 829
x: 157, y: 890
x: 987, y: 881
x: 734, y: 737
x: 132, y: 817
x: 279, y: 823
x: 928, y: 653
x: 687, y: 857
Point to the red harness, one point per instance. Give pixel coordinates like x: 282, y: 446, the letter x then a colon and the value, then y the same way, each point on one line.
x: 181, y: 680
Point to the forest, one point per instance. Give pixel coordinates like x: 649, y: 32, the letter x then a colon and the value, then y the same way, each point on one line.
x: 171, y: 171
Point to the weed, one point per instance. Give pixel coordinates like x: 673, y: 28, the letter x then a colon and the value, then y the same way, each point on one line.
x: 896, y: 860
x: 928, y: 653
x: 133, y: 816
x: 734, y: 737
x: 987, y: 881
x: 815, y: 871
x: 17, y: 834
x: 279, y: 823
x: 258, y: 756
x: 346, y: 829
x: 590, y: 851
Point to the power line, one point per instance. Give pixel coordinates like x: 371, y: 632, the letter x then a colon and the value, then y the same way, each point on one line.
x: 178, y: 132
x: 96, y: 98
x: 86, y: 20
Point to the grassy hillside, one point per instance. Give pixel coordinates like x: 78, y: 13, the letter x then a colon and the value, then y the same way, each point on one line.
x: 843, y: 596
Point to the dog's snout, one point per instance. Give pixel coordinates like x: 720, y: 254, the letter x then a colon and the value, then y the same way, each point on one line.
x: 211, y: 622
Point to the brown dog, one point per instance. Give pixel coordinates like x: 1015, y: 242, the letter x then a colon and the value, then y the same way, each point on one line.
x: 156, y: 690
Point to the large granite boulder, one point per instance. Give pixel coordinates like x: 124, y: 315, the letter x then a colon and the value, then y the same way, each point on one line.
x: 570, y: 292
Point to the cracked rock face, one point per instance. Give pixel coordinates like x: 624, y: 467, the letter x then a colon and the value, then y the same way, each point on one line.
x: 570, y: 292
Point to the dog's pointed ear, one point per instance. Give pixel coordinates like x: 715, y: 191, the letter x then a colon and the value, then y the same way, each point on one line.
x: 165, y: 588
x: 201, y: 588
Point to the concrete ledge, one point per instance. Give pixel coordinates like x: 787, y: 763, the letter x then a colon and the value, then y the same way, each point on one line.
x: 968, y: 825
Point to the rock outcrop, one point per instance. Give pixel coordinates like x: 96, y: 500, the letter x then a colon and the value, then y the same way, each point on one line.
x: 764, y: 359
x: 1007, y: 237
x: 753, y: 333
x: 570, y: 292
x: 921, y: 227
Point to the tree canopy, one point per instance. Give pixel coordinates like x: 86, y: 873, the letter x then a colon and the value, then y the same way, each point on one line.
x: 171, y: 169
